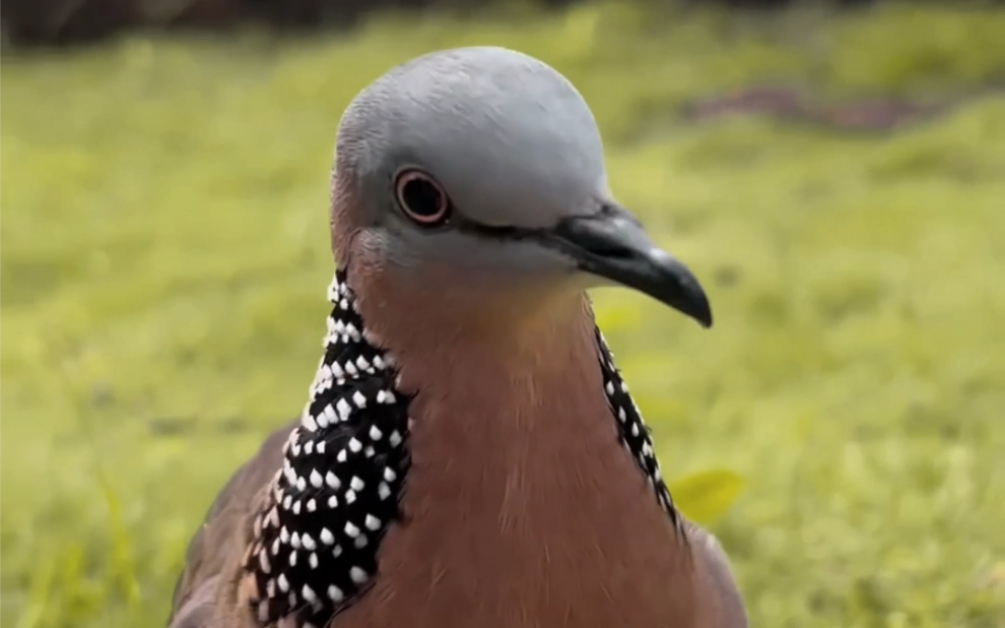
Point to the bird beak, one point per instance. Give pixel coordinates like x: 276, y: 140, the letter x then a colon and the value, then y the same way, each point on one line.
x: 613, y: 245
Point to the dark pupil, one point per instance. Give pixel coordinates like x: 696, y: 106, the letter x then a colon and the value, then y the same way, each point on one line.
x: 421, y: 197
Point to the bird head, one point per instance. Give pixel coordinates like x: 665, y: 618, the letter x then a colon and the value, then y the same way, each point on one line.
x: 487, y: 164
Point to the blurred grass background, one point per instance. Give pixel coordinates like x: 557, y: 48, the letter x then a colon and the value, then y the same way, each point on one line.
x: 164, y: 260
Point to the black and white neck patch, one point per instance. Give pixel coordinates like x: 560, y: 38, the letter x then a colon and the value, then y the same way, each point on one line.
x: 633, y: 432
x: 315, y: 541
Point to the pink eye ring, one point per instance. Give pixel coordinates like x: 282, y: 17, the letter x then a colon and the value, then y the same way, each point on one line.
x: 421, y: 198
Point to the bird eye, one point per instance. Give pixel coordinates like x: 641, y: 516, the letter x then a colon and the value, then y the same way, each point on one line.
x: 421, y: 198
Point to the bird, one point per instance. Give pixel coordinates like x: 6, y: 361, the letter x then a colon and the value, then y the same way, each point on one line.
x: 469, y: 453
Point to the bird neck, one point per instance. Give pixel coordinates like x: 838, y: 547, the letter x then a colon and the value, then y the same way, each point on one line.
x: 495, y: 321
x: 528, y: 436
x: 524, y: 380
x: 529, y: 463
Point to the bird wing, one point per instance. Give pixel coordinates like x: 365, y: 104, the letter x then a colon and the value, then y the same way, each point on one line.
x: 212, y: 548
x: 197, y: 610
x: 720, y: 600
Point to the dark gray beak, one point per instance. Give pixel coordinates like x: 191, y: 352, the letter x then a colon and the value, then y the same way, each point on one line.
x: 612, y: 244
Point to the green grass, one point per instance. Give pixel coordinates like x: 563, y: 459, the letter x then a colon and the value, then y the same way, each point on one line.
x: 164, y: 264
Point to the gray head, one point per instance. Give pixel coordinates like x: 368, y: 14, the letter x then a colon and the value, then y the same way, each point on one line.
x: 490, y: 161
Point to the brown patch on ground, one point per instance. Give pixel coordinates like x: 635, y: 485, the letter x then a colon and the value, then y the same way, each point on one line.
x: 789, y: 104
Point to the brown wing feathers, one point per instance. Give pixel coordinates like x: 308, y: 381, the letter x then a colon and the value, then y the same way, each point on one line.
x: 213, y: 546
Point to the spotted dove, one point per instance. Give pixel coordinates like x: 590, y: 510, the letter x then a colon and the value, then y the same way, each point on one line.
x: 469, y: 454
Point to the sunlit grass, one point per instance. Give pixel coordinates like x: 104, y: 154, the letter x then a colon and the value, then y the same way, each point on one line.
x: 164, y: 264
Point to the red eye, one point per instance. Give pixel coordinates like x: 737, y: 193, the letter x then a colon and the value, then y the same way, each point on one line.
x: 421, y: 198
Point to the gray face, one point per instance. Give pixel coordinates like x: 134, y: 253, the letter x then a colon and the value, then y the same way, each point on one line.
x: 517, y: 151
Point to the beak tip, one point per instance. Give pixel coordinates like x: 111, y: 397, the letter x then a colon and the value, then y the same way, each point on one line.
x: 702, y: 312
x: 692, y: 299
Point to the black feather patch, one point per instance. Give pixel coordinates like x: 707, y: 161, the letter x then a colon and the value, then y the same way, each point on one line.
x: 330, y: 505
x: 633, y: 432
